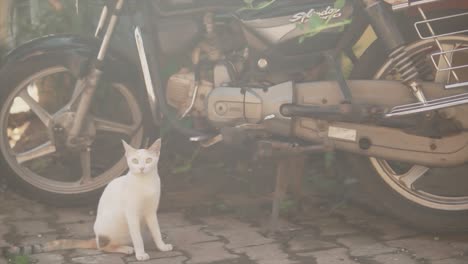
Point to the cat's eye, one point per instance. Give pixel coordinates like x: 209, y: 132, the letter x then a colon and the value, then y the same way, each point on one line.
x: 149, y: 160
x: 135, y: 161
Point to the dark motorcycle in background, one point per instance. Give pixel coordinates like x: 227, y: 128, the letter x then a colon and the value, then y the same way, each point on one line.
x: 266, y: 75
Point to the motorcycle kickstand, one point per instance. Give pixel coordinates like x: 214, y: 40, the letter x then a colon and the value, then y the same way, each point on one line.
x: 289, y: 174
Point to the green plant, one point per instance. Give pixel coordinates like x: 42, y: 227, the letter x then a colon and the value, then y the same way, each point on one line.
x: 50, y: 21
x: 19, y: 259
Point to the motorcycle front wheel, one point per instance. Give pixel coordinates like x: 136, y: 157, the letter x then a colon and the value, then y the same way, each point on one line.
x: 433, y: 199
x: 37, y: 112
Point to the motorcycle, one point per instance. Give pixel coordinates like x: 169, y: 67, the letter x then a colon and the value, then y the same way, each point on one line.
x: 266, y: 75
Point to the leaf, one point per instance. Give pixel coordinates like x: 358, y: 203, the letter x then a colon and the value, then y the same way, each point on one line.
x: 340, y: 4
x: 264, y: 4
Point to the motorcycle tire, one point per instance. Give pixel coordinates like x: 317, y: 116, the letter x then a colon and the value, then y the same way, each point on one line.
x: 65, y: 187
x: 382, y: 195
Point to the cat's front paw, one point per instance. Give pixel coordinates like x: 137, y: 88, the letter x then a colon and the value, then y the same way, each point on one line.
x: 142, y: 256
x: 165, y: 247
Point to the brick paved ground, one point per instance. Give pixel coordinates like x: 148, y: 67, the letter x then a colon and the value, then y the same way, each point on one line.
x: 323, y: 235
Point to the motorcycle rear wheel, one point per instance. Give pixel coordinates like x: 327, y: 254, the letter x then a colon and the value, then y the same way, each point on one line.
x: 433, y: 199
x: 34, y: 120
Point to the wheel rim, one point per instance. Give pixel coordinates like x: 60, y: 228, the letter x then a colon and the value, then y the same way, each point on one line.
x: 411, y: 181
x: 40, y: 162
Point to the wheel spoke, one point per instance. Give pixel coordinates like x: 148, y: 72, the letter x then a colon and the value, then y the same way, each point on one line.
x: 111, y: 126
x: 37, y: 152
x: 43, y: 115
x: 85, y: 160
x: 413, y: 175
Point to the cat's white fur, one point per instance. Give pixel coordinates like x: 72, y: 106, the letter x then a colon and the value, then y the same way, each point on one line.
x: 130, y: 201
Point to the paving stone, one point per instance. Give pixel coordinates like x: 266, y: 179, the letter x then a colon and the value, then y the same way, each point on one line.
x: 175, y: 260
x: 451, y: 261
x: 309, y: 242
x: 31, y: 227
x: 330, y: 256
x: 391, y: 231
x: 355, y: 215
x: 428, y: 248
x: 238, y: 234
x: 38, y: 239
x: 48, y: 258
x: 396, y: 258
x: 39, y: 211
x: 171, y: 220
x: 187, y: 235
x: 74, y: 215
x: 3, y: 217
x: 100, y: 259
x: 266, y: 254
x: 158, y: 254
x: 364, y: 246
x: 4, y: 229
x: 84, y: 252
x: 336, y: 229
x: 207, y: 252
x: 80, y: 230
x: 3, y: 261
x: 20, y: 213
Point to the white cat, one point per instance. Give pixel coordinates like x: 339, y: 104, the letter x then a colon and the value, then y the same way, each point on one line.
x: 129, y: 201
x: 126, y: 203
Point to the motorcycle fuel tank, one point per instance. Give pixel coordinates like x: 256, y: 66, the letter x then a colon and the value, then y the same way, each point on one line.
x: 296, y: 26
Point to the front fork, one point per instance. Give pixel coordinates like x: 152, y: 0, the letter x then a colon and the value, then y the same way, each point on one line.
x: 92, y: 79
x: 384, y: 24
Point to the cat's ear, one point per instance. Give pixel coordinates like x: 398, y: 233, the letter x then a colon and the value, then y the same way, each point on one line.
x: 156, y: 147
x: 127, y: 147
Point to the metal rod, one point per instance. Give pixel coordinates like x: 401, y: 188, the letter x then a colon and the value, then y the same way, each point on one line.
x: 93, y: 78
x: 413, y: 3
x: 85, y: 102
x: 426, y: 22
x: 109, y: 31
x: 449, y: 52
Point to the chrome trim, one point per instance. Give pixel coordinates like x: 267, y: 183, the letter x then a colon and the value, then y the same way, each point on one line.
x: 102, y: 20
x: 431, y: 105
x: 397, y: 7
x: 146, y: 73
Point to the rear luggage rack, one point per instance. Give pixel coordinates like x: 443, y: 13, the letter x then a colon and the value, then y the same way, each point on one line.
x: 448, y: 71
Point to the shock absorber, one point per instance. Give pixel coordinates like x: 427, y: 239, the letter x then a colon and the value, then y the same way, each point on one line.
x: 385, y: 27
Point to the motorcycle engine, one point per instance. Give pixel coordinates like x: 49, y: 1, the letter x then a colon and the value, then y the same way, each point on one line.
x: 181, y: 88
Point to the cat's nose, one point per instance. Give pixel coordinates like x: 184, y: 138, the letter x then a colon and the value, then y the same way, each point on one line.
x: 142, y: 169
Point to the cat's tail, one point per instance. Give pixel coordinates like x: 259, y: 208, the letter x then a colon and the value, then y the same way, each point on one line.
x: 62, y: 244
